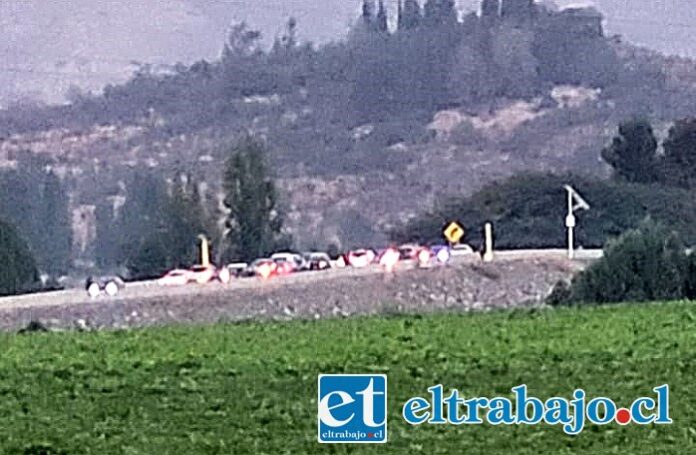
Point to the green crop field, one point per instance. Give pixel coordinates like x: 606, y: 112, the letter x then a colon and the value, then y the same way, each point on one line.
x: 251, y: 388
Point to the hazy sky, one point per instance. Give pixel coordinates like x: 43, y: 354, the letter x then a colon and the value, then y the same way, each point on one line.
x: 45, y: 46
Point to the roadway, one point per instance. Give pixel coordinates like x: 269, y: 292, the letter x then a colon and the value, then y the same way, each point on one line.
x: 150, y: 289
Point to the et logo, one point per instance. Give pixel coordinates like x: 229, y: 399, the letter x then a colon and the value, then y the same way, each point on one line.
x: 352, y: 408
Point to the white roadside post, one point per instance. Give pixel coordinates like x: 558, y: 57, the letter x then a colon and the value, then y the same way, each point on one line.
x: 488, y: 254
x: 205, y: 250
x: 575, y: 202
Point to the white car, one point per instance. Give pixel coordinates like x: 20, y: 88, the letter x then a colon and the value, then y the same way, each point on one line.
x: 202, y: 274
x: 361, y: 258
x: 178, y: 277
x: 197, y: 274
x: 461, y: 250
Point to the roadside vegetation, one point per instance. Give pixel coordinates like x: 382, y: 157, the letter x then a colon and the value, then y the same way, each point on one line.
x: 649, y: 263
x: 35, y: 201
x: 251, y: 388
x: 18, y: 272
x: 157, y: 227
x: 528, y: 210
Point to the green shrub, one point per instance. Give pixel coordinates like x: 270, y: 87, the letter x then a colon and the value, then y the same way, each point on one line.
x: 645, y: 264
x: 560, y: 295
x: 690, y: 285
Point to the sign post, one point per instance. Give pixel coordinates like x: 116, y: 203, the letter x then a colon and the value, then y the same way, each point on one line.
x: 575, y: 202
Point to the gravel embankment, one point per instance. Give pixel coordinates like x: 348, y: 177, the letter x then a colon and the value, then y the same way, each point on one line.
x: 465, y: 287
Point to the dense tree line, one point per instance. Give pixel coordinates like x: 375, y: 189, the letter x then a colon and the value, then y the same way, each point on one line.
x: 35, y: 200
x: 634, y: 155
x: 156, y: 228
x: 18, y: 272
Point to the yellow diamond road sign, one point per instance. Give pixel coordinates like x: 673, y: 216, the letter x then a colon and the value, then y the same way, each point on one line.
x: 454, y: 232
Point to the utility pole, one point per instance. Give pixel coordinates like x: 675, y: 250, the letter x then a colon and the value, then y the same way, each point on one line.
x: 575, y: 202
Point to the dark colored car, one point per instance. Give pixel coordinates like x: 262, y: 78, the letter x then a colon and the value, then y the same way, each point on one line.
x: 318, y: 261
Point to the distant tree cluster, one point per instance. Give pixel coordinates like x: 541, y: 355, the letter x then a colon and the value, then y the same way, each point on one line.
x: 18, y: 272
x: 158, y: 226
x: 156, y: 229
x: 430, y: 59
x: 633, y: 154
x: 528, y: 211
x: 33, y: 198
x: 514, y: 49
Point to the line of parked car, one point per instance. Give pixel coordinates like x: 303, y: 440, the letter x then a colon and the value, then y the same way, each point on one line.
x: 278, y: 264
x: 281, y: 264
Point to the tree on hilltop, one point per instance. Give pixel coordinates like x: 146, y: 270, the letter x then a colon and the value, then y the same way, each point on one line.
x: 411, y: 15
x: 382, y: 24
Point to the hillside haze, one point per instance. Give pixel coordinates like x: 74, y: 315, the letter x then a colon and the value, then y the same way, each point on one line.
x: 46, y: 47
x: 385, y: 121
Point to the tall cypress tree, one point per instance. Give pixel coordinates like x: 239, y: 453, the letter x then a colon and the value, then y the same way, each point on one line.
x: 56, y: 238
x: 254, y: 223
x: 368, y: 14
x: 490, y: 9
x: 440, y: 12
x: 678, y: 166
x: 35, y: 201
x: 172, y: 241
x: 399, y: 14
x: 141, y: 214
x: 382, y: 24
x: 411, y: 15
x: 18, y: 272
x: 633, y: 153
x: 105, y: 248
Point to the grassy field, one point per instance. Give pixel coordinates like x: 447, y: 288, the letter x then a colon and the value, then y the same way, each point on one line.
x: 251, y: 388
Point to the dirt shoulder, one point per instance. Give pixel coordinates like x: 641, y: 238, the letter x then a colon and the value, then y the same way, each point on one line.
x: 465, y: 287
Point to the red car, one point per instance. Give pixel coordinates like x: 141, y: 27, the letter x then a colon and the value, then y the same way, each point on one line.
x: 264, y: 268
